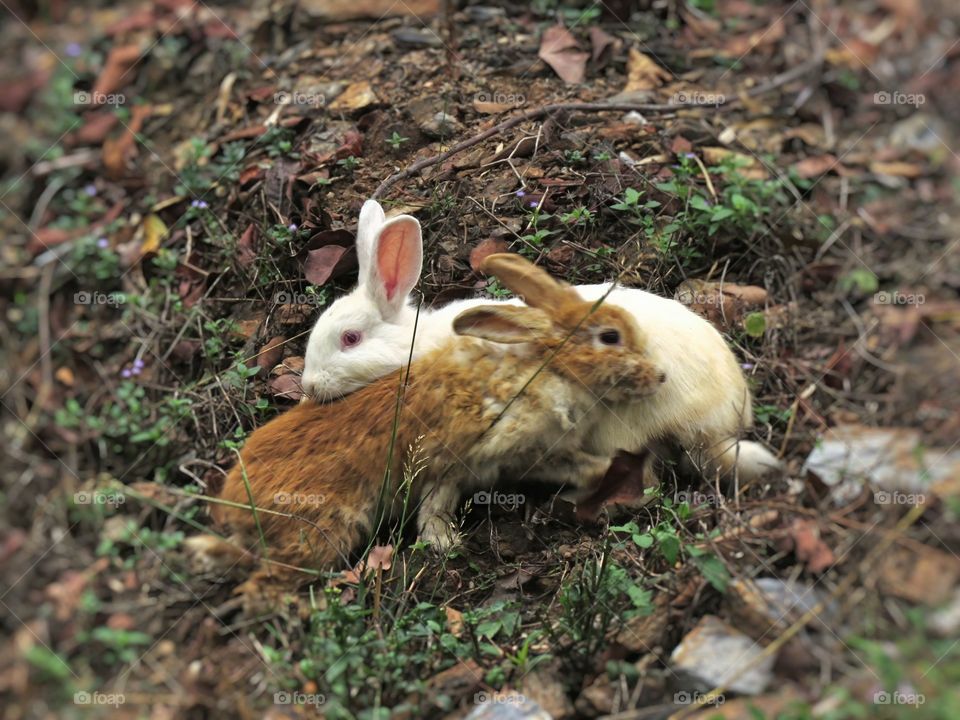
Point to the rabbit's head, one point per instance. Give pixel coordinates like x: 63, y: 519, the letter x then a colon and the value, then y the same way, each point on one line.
x: 594, y: 344
x: 366, y: 334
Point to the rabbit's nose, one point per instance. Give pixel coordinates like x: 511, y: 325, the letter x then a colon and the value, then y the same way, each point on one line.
x: 662, y: 377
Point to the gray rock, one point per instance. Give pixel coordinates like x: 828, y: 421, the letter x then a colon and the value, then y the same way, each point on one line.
x: 714, y: 654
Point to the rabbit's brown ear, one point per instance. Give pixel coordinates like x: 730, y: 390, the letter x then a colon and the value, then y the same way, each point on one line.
x: 523, y: 278
x: 503, y: 323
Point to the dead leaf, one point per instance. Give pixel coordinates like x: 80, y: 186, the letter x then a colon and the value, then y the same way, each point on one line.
x: 816, y: 166
x: 287, y: 387
x: 643, y: 73
x: 560, y: 50
x: 925, y: 577
x: 487, y: 246
x: 358, y: 96
x: 154, y: 231
x: 600, y: 41
x: 622, y: 484
x: 809, y: 548
x: 897, y: 169
x: 247, y: 245
x: 117, y: 152
x: 454, y: 621
x: 321, y: 263
x: 723, y: 304
x: 116, y: 71
x: 271, y: 353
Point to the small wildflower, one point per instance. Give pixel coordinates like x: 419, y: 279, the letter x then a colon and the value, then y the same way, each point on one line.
x: 292, y: 227
x: 689, y: 155
x: 533, y: 203
x: 125, y: 373
x: 103, y: 243
x: 200, y: 204
x: 747, y: 366
x: 90, y: 189
x: 520, y: 193
x: 138, y: 365
x: 74, y: 49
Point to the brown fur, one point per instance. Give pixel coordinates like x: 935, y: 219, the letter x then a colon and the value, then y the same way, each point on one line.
x: 326, y: 465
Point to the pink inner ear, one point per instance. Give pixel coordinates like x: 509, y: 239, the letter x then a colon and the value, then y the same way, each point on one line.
x: 396, y: 257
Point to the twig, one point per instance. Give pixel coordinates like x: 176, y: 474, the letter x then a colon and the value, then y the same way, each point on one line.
x: 775, y: 82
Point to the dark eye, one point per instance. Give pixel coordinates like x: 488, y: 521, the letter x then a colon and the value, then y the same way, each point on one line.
x: 610, y: 337
x: 350, y: 338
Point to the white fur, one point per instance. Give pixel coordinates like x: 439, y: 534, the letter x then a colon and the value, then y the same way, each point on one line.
x: 703, y: 406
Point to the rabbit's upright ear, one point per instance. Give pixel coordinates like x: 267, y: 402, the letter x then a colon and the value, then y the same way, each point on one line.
x: 371, y: 220
x: 536, y: 286
x: 397, y: 260
x: 503, y: 323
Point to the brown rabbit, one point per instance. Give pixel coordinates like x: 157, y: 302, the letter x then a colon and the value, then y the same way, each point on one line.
x: 507, y: 391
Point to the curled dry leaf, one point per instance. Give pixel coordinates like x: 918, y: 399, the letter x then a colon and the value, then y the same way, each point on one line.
x: 487, y: 246
x: 643, y: 73
x: 380, y: 557
x: 810, y: 548
x: 116, y: 71
x: 286, y: 387
x: 560, y: 50
x: 271, y: 353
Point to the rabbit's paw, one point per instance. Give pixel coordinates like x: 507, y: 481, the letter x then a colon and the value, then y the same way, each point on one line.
x: 440, y: 534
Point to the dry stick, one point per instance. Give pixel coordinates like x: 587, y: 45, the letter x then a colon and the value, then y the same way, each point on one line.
x: 772, y: 84
x: 842, y: 588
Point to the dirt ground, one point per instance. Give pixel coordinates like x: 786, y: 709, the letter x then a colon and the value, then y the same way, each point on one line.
x: 179, y: 191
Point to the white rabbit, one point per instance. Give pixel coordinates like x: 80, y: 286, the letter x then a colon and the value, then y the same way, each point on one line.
x: 703, y: 406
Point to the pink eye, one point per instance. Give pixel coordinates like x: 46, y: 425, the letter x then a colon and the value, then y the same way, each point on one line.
x: 350, y: 338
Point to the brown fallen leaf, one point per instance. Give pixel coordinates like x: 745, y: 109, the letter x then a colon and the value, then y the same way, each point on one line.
x: 924, y: 576
x: 816, y: 166
x: 117, y: 152
x: 286, y: 387
x: 723, y: 304
x: 270, y: 354
x: 897, y: 169
x: 116, y: 71
x: 321, y: 263
x: 358, y: 96
x: 643, y: 73
x: 380, y: 557
x: 454, y: 621
x: 560, y: 50
x: 600, y: 41
x: 247, y: 245
x: 622, y: 484
x: 487, y: 246
x: 809, y: 548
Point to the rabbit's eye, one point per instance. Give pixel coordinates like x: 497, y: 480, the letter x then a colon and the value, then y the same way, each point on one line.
x: 610, y: 337
x: 350, y: 338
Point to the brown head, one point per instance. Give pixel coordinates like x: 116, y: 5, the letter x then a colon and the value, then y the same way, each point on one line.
x: 597, y: 344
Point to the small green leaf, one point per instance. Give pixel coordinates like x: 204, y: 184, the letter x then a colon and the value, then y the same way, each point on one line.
x: 755, y: 324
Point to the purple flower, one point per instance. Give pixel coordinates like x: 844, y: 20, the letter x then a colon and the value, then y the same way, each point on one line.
x: 90, y: 189
x: 747, y: 366
x: 103, y: 243
x: 292, y: 227
x: 689, y: 155
x: 138, y: 364
x: 200, y: 204
x: 533, y: 203
x: 74, y: 49
x: 125, y: 373
x: 520, y: 193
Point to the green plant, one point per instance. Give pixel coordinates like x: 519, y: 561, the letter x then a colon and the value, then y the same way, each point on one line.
x: 396, y: 140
